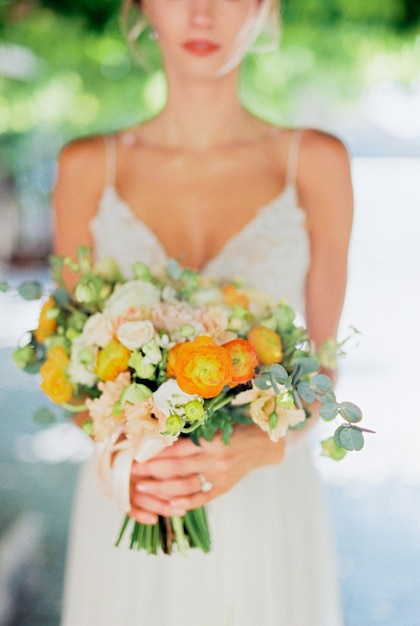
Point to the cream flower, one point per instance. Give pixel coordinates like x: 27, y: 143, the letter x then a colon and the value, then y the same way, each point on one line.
x: 134, y: 335
x: 98, y: 330
x: 133, y: 293
x: 262, y: 403
x: 100, y: 409
x: 169, y: 398
x: 215, y: 320
x: 171, y: 316
x: 82, y: 362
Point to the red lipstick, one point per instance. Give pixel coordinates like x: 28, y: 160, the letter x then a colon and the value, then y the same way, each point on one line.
x: 200, y: 47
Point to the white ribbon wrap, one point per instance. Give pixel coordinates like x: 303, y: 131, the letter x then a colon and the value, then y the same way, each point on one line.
x: 113, y: 461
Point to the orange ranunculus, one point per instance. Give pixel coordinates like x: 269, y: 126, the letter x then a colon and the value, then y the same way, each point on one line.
x: 46, y: 326
x: 171, y: 360
x: 234, y: 296
x: 267, y: 344
x: 244, y: 360
x: 112, y: 360
x: 54, y: 381
x: 202, y: 367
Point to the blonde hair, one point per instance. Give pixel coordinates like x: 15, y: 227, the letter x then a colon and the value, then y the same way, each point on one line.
x: 260, y: 34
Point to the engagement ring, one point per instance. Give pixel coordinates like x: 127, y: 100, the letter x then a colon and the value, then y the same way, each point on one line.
x: 206, y: 485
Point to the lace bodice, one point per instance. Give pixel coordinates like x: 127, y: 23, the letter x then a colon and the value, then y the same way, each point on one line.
x: 270, y: 253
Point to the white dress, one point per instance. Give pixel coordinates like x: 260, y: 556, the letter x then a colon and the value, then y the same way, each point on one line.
x: 272, y: 562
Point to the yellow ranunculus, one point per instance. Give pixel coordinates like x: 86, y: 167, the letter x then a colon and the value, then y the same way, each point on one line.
x: 112, y: 360
x: 54, y: 381
x: 46, y: 326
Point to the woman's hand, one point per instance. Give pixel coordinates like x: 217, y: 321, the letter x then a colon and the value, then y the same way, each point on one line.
x: 170, y: 483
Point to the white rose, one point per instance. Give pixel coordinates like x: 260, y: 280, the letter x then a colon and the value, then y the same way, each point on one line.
x: 98, y: 330
x: 134, y: 335
x: 169, y: 398
x: 82, y: 363
x: 133, y: 293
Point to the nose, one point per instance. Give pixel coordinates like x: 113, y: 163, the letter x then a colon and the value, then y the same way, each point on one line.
x: 202, y: 12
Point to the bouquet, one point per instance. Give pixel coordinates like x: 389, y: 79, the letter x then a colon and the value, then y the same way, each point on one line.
x: 170, y: 354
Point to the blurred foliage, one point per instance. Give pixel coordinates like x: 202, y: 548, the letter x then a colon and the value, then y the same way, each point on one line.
x: 65, y: 71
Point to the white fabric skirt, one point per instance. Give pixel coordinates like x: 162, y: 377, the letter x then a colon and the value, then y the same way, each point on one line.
x: 272, y: 560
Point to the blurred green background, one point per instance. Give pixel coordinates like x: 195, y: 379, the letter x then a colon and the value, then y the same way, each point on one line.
x: 65, y: 72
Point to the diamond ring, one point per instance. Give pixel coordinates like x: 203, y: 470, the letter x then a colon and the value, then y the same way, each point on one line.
x: 206, y: 485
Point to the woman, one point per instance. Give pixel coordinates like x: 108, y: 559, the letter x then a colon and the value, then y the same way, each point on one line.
x: 210, y: 184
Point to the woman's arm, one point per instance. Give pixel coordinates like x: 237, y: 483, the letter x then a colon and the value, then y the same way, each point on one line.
x: 169, y: 484
x: 80, y: 182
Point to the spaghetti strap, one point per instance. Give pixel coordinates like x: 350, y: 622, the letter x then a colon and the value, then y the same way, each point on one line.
x: 110, y: 160
x: 293, y: 157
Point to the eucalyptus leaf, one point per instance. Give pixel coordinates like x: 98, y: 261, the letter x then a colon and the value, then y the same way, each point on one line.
x: 278, y: 373
x: 306, y: 393
x: 328, y: 396
x: 61, y: 297
x: 350, y: 412
x: 4, y: 286
x: 30, y: 290
x: 44, y: 416
x: 349, y: 437
x: 307, y: 364
x: 329, y: 411
x: 263, y: 382
x: 321, y: 383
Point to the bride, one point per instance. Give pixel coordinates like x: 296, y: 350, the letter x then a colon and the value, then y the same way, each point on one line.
x: 208, y: 183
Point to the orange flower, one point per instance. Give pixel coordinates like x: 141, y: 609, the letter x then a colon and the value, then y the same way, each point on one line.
x: 171, y: 360
x: 54, y: 381
x: 244, y: 360
x: 112, y: 360
x: 46, y: 326
x: 202, y: 367
x: 234, y: 296
x: 267, y: 344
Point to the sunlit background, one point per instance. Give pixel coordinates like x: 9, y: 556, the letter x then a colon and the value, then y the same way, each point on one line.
x: 348, y: 66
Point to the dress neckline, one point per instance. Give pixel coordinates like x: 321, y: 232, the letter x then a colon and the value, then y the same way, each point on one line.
x: 266, y: 208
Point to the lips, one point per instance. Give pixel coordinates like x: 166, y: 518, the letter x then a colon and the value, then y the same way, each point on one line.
x: 200, y: 47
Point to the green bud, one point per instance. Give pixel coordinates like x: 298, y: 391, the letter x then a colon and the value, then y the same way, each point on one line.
x: 142, y: 369
x: 174, y: 423
x: 135, y: 393
x: 86, y: 291
x: 71, y: 333
x: 22, y: 356
x: 141, y: 271
x: 86, y: 356
x: 194, y: 410
x: 187, y: 330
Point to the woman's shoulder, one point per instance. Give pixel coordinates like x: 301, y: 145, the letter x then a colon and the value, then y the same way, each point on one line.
x: 78, y: 151
x: 318, y: 144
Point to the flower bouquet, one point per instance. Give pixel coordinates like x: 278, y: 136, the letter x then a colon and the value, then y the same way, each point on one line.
x: 170, y: 354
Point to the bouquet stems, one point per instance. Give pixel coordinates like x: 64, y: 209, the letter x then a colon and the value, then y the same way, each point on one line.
x: 190, y: 530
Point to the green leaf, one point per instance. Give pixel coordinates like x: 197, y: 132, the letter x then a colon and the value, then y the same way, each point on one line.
x: 61, y: 297
x: 349, y: 437
x: 306, y: 393
x: 331, y: 450
x: 307, y: 364
x: 328, y: 396
x: 321, y: 383
x: 278, y: 373
x: 350, y: 412
x: 329, y: 411
x: 30, y: 290
x: 263, y: 382
x: 4, y: 286
x: 44, y: 416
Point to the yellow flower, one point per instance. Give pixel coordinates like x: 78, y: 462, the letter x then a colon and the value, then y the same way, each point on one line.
x: 54, y: 381
x: 46, y: 325
x: 267, y: 344
x: 112, y: 360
